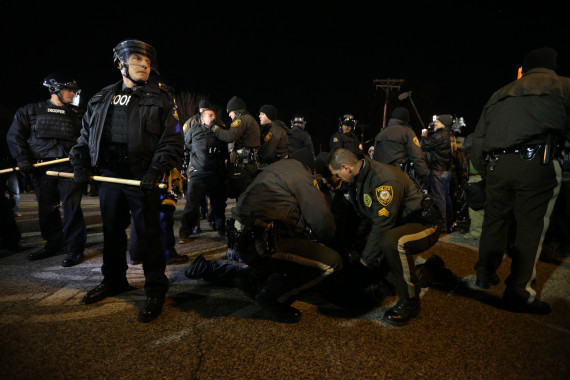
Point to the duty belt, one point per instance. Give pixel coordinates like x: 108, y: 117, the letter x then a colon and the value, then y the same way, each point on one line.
x: 526, y: 152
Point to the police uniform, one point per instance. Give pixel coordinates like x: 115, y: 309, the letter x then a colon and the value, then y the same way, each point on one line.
x: 274, y: 142
x: 244, y: 133
x: 300, y: 138
x: 206, y: 176
x: 397, y: 144
x: 44, y: 132
x: 518, y: 130
x: 392, y: 204
x: 284, y: 193
x: 346, y: 140
x: 130, y: 133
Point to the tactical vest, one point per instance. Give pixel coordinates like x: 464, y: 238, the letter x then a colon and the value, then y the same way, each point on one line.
x: 116, y: 126
x: 54, y: 122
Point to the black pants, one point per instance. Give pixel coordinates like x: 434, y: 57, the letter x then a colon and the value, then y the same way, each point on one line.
x: 118, y: 204
x: 523, y: 191
x: 71, y: 233
x: 397, y: 247
x: 201, y: 184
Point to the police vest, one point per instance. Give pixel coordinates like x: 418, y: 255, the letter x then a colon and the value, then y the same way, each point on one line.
x: 54, y: 122
x: 116, y: 124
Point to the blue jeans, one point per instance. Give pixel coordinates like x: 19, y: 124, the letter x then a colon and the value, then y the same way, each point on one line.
x: 439, y: 191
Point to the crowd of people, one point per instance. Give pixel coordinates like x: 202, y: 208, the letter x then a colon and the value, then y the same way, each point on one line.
x: 345, y: 223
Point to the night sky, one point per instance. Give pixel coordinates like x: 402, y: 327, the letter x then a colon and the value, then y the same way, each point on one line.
x: 319, y: 59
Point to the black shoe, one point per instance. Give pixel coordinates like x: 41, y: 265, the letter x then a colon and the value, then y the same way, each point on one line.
x: 104, y: 290
x: 197, y: 268
x: 72, y: 259
x: 280, y: 312
x: 152, y: 309
x: 404, y: 310
x: 43, y: 254
x: 175, y: 258
x: 486, y: 284
x: 516, y: 304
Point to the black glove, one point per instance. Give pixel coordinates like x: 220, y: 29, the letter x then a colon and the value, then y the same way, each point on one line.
x: 81, y: 175
x: 150, y: 179
x: 26, y: 167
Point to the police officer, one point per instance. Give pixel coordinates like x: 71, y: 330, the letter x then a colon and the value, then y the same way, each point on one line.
x: 398, y: 145
x: 47, y: 131
x: 206, y: 175
x: 283, y: 195
x: 345, y: 136
x: 520, y: 126
x: 244, y: 138
x: 274, y: 136
x: 392, y: 205
x: 299, y: 137
x: 437, y: 148
x: 130, y: 130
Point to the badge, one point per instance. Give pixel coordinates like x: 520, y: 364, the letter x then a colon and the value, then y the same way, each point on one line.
x: 236, y: 123
x: 384, y: 195
x: 367, y: 200
x: 335, y: 139
x: 417, y: 142
x: 268, y: 136
x: 383, y: 212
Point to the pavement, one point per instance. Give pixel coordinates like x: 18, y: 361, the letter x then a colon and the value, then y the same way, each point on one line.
x: 210, y: 332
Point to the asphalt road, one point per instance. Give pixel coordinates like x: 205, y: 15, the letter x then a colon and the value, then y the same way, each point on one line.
x: 209, y: 332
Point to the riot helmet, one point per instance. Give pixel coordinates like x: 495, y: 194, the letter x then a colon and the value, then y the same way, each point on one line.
x: 346, y: 119
x: 298, y: 120
x: 125, y: 48
x: 55, y: 82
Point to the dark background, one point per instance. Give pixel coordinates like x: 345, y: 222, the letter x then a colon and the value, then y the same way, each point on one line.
x: 319, y: 59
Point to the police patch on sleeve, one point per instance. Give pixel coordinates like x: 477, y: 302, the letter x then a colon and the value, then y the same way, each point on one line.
x: 335, y: 139
x: 236, y: 123
x: 367, y: 200
x: 417, y: 142
x: 384, y: 194
x: 268, y: 136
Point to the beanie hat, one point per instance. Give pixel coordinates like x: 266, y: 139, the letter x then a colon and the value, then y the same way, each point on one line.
x: 401, y: 113
x: 446, y: 120
x: 269, y: 111
x: 204, y: 104
x: 543, y: 57
x: 235, y: 103
x: 306, y: 157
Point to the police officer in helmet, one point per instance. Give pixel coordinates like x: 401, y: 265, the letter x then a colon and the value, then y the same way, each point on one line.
x: 130, y: 131
x: 42, y: 132
x: 345, y: 136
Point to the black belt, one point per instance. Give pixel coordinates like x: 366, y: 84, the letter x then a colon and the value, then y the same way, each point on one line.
x: 526, y: 152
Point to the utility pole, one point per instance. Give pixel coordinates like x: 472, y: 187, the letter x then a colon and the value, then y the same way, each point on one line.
x: 387, y: 85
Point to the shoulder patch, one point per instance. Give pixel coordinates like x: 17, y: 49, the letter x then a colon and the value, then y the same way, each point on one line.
x: 367, y: 200
x: 417, y: 142
x: 335, y: 139
x: 384, y: 194
x: 236, y: 123
x: 268, y: 136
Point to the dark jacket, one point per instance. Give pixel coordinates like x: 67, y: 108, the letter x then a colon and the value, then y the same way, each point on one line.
x: 437, y: 148
x: 43, y: 130
x: 398, y: 143
x: 284, y: 192
x: 244, y: 132
x: 274, y: 142
x: 207, y: 152
x: 523, y: 113
x: 346, y: 140
x: 155, y: 137
x: 299, y: 139
x: 385, y: 196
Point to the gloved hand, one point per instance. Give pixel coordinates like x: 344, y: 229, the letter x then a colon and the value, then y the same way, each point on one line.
x: 26, y: 167
x: 80, y: 175
x: 150, y: 179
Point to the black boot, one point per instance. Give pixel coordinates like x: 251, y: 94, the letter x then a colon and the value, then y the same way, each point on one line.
x: 404, y: 310
x: 72, y: 259
x: 152, y: 309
